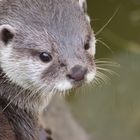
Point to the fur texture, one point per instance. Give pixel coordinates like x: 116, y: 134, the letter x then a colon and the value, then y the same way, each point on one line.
x: 58, y: 27
x: 62, y: 30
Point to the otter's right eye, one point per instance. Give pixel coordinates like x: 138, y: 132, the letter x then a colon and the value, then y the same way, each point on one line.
x: 87, y: 46
x: 45, y: 57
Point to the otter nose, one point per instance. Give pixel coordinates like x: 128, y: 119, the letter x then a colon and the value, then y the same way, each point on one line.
x: 77, y: 73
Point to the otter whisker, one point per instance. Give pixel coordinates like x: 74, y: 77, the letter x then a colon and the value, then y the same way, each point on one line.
x: 54, y: 91
x: 107, y: 60
x: 16, y: 96
x: 67, y: 92
x: 100, y: 80
x: 102, y: 77
x: 32, y: 94
x: 106, y: 24
x: 111, y: 72
x: 97, y: 81
x: 104, y: 44
x: 107, y: 63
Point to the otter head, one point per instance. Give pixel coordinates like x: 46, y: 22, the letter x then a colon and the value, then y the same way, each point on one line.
x: 48, y: 49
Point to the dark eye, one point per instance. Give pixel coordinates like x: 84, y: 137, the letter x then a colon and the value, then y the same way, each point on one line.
x: 87, y: 46
x: 45, y: 57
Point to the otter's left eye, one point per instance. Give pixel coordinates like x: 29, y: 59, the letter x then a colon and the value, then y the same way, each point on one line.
x: 87, y: 46
x: 45, y: 57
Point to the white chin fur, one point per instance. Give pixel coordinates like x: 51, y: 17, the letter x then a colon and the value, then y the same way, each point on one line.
x: 90, y: 76
x: 63, y: 85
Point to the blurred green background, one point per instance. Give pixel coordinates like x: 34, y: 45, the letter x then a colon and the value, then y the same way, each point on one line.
x: 112, y: 111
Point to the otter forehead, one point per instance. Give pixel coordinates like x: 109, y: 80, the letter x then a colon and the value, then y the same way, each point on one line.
x: 68, y: 23
x: 65, y: 20
x: 70, y: 29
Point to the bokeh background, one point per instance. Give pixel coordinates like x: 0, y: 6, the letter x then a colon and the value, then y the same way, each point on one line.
x: 111, y: 111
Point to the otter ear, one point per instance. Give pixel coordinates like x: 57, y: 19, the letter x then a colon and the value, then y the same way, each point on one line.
x: 7, y: 33
x: 83, y: 4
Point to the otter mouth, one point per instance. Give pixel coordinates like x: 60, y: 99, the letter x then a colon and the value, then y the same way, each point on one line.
x: 78, y: 83
x: 69, y: 84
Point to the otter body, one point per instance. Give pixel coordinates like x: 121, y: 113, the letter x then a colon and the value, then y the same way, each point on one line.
x: 16, y: 123
x: 46, y: 47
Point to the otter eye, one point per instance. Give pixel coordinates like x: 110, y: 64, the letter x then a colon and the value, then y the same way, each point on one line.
x: 87, y: 46
x: 45, y: 57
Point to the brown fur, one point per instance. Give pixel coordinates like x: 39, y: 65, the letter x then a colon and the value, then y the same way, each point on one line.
x: 6, y: 131
x: 16, y: 124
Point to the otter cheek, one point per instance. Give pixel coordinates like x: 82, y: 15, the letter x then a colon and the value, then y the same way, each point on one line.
x: 90, y: 76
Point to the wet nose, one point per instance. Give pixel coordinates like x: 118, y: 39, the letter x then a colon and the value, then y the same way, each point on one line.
x: 77, y: 73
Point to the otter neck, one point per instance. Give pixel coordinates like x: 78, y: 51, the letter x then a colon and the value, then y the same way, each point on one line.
x: 23, y: 99
x: 24, y: 128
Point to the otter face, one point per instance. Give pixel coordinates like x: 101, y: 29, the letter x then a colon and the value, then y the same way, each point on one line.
x: 58, y: 55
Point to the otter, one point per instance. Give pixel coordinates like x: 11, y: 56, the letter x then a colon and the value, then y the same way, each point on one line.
x: 47, y: 47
